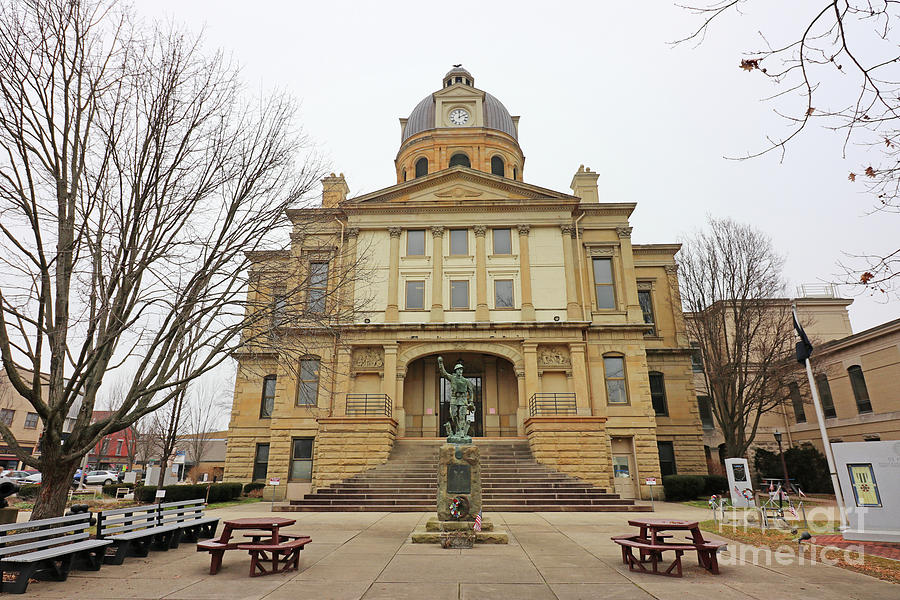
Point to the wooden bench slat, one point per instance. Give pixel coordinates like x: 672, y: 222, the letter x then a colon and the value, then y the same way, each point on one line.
x: 44, y: 543
x: 139, y: 533
x: 111, y: 522
x: 131, y: 509
x: 107, y: 531
x: 56, y: 551
x: 39, y: 533
x: 46, y: 522
x: 183, y: 503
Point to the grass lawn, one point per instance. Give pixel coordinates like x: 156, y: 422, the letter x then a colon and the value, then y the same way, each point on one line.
x: 233, y: 503
x: 874, y: 566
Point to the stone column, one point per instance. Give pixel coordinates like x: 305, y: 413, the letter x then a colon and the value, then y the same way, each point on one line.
x: 389, y: 382
x: 522, y: 411
x: 481, y: 306
x: 399, y: 411
x: 437, y: 273
x: 572, y: 312
x: 344, y: 381
x: 579, y: 377
x: 532, y: 383
x: 348, y: 295
x: 392, y: 313
x: 525, y: 273
x: 632, y: 306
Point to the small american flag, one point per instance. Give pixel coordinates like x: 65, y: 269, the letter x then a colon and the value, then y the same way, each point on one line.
x: 477, y: 526
x: 800, y: 492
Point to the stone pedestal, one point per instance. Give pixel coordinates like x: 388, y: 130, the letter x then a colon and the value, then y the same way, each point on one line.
x: 459, y: 477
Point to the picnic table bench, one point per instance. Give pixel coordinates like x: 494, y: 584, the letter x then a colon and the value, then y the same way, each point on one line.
x: 48, y: 549
x: 286, y: 552
x: 133, y: 531
x: 272, y: 540
x: 651, y: 544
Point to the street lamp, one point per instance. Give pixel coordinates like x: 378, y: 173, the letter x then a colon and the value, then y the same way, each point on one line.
x: 787, y: 481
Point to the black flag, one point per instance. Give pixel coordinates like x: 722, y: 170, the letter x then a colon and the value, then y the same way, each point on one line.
x: 804, y: 347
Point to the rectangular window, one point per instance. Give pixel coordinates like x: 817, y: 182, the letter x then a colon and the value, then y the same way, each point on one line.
x: 502, y: 241
x: 301, y: 459
x: 797, y: 402
x: 825, y: 396
x: 615, y: 379
x: 459, y: 242
x: 119, y: 444
x: 279, y: 305
x: 666, y: 458
x: 261, y: 462
x: 459, y: 294
x: 646, y: 302
x: 308, y: 392
x: 860, y: 391
x: 318, y: 286
x: 706, y: 415
x: 658, y: 394
x: 603, y: 283
x: 6, y: 415
x: 104, y: 447
x: 696, y: 358
x: 503, y: 293
x: 31, y: 421
x: 415, y: 295
x: 268, y: 397
x: 415, y: 242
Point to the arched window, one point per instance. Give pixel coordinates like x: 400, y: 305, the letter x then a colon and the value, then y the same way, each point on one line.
x: 860, y: 391
x: 308, y: 384
x: 516, y: 173
x: 403, y: 174
x: 460, y: 159
x: 497, y: 166
x: 421, y: 167
x: 614, y: 371
x: 268, y: 397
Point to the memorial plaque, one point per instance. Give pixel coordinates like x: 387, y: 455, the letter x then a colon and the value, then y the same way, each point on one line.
x: 459, y: 479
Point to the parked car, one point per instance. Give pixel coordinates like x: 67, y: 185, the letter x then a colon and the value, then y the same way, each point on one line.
x: 104, y: 477
x: 34, y: 478
x: 16, y: 476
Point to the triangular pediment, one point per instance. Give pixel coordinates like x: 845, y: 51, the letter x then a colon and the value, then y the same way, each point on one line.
x: 460, y: 184
x: 457, y: 91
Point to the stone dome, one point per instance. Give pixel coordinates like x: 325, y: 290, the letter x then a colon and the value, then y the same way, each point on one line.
x: 495, y: 114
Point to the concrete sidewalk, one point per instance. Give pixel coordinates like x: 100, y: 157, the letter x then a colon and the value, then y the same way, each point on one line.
x: 563, y: 556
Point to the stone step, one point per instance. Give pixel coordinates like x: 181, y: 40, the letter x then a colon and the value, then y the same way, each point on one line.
x: 496, y: 508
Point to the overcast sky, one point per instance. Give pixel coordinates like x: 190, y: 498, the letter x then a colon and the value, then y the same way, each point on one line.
x: 595, y: 83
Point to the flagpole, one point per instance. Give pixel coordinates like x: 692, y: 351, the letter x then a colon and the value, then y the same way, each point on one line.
x: 820, y: 416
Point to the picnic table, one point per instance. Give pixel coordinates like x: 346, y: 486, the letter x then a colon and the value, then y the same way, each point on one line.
x: 651, y: 542
x: 272, y: 541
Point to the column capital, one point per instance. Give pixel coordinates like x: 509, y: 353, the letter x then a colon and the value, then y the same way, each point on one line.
x: 623, y: 232
x: 480, y: 230
x: 390, y: 348
x: 576, y: 347
x: 437, y: 231
x: 351, y: 232
x: 567, y: 230
x: 395, y: 231
x: 671, y: 269
x: 524, y: 229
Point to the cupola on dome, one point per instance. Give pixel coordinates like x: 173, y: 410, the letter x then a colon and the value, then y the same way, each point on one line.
x: 495, y: 115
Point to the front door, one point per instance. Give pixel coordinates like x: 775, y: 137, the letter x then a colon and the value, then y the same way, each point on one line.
x: 623, y: 476
x: 476, y: 428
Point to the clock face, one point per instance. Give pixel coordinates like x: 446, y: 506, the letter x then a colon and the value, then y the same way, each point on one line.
x: 459, y: 116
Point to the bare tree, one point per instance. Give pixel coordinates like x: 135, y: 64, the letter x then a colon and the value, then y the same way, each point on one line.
x: 202, y: 419
x: 732, y: 287
x: 838, y: 67
x: 135, y: 186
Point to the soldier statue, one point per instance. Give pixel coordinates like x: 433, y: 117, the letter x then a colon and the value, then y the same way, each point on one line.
x: 462, y: 402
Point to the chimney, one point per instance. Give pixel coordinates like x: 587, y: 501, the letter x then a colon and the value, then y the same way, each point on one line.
x: 334, y: 190
x: 584, y: 185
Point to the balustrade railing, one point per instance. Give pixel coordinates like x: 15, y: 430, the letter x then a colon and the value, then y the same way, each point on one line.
x: 368, y: 405
x: 550, y: 403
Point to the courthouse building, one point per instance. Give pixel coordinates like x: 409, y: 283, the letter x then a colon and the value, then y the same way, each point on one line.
x: 573, y: 336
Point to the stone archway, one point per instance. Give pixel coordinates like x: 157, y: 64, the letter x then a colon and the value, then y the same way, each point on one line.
x: 425, y: 399
x: 500, y: 349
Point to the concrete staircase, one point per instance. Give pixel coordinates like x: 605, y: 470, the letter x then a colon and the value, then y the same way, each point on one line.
x: 511, y: 481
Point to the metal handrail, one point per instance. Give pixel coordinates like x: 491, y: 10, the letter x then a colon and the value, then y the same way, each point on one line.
x: 368, y: 405
x: 555, y: 403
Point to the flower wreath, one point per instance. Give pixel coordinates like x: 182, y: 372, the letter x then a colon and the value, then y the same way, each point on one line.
x: 748, y: 494
x: 713, y: 500
x: 459, y: 507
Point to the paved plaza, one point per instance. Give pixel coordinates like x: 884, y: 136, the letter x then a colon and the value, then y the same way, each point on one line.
x: 565, y: 556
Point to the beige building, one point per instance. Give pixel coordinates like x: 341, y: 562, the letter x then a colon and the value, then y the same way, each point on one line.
x: 858, y: 381
x: 573, y: 336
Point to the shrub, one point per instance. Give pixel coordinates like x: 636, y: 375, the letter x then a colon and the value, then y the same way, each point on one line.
x: 683, y: 487
x: 253, y: 486
x: 218, y: 492
x: 715, y: 484
x: 805, y: 464
x: 110, y: 490
x: 28, y: 491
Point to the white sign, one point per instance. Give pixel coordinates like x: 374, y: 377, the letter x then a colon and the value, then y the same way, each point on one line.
x: 869, y: 474
x: 179, y: 457
x: 738, y: 471
x: 160, y: 493
x: 651, y: 481
x: 274, y: 481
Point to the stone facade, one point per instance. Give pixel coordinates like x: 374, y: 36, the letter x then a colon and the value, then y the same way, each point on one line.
x: 557, y: 316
